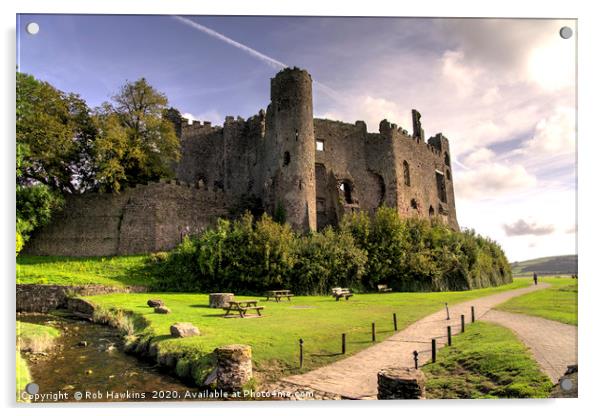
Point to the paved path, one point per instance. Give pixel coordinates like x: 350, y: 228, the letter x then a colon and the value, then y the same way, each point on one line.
x: 553, y: 344
x: 355, y: 377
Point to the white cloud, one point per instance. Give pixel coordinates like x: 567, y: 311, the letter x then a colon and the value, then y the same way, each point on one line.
x: 491, y: 180
x: 554, y: 134
x: 212, y: 115
x: 455, y: 71
x: 478, y: 157
x: 552, y: 65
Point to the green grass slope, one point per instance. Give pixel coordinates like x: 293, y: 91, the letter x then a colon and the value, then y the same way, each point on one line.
x: 23, y: 376
x: 487, y: 361
x: 35, y: 338
x: 109, y: 271
x: 558, y: 303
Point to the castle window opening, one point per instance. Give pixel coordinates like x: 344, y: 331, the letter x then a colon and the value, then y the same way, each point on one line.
x: 406, y: 173
x: 346, y: 188
x: 320, y: 205
x: 287, y: 159
x: 320, y: 145
x: 441, y: 191
x: 414, y: 204
x: 296, y: 135
x: 431, y: 211
x: 448, y: 174
x: 446, y: 157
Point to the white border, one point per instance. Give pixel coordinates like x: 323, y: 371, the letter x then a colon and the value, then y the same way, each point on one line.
x: 589, y: 208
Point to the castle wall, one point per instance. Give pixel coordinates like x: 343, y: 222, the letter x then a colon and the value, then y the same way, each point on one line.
x: 374, y: 165
x: 343, y: 161
x: 143, y: 219
x: 271, y: 159
x: 202, y: 153
x: 428, y: 189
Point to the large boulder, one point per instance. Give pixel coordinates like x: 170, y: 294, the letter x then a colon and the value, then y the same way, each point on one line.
x: 154, y: 303
x: 184, y: 329
x: 162, y: 309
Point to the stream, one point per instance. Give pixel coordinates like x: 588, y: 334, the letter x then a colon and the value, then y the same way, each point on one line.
x: 99, y: 371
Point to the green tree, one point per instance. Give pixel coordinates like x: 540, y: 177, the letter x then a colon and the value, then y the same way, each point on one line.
x: 327, y: 259
x: 55, y: 135
x: 35, y: 206
x: 136, y: 142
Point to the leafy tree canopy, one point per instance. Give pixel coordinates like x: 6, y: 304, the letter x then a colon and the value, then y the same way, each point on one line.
x: 136, y: 142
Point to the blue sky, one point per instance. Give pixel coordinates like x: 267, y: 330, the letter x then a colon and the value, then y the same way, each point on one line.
x: 502, y: 91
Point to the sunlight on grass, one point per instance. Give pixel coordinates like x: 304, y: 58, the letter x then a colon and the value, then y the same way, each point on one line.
x: 23, y: 376
x: 319, y: 320
x: 109, y: 271
x: 487, y: 361
x: 35, y: 338
x: 558, y: 303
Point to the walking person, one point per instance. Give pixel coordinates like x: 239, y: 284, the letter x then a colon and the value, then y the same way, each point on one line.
x: 535, y: 278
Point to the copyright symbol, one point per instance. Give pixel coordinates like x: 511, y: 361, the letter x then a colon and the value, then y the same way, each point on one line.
x: 77, y: 395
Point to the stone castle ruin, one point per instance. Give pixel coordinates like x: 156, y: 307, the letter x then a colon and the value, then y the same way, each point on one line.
x: 312, y: 171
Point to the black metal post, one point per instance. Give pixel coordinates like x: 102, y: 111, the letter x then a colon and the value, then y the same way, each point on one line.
x: 373, y: 332
x: 300, y: 352
x: 449, y: 340
x: 434, y: 350
x: 462, y: 322
x: 395, y: 321
x: 447, y: 310
x: 472, y: 314
x: 343, y: 342
x: 415, y: 359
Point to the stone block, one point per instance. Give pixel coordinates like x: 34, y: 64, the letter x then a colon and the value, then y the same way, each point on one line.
x: 220, y: 300
x: 401, y: 384
x: 234, y: 366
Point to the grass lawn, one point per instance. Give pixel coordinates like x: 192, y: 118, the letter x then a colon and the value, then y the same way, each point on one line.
x: 109, y: 271
x: 487, y: 361
x: 558, y: 303
x: 35, y: 337
x: 319, y: 320
x: 23, y: 376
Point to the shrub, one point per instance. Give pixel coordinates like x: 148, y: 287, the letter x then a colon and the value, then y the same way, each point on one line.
x: 179, y: 271
x: 325, y: 260
x: 244, y: 256
x: 252, y: 256
x: 416, y: 254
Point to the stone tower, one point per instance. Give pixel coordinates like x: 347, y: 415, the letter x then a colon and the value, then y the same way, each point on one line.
x: 291, y: 135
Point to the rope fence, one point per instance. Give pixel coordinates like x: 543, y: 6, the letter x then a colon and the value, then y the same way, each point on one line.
x: 448, y: 338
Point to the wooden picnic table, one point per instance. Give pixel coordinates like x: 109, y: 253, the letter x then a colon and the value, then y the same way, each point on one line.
x: 341, y: 292
x: 242, y: 307
x: 278, y: 294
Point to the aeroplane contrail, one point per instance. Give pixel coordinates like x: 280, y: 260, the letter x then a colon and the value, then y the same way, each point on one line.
x: 274, y: 63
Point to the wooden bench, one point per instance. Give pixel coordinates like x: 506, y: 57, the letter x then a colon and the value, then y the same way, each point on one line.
x: 383, y: 288
x: 339, y: 292
x: 242, y: 307
x: 279, y: 294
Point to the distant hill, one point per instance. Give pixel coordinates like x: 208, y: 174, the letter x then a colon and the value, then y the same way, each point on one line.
x: 546, y: 265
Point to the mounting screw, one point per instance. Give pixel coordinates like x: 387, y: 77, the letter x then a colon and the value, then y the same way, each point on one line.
x: 566, y: 32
